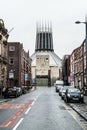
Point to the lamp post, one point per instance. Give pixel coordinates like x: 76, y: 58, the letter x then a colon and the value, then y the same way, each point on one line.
x: 79, y: 22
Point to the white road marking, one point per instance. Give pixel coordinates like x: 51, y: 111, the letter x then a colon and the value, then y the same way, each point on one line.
x: 27, y: 110
x: 31, y: 105
x: 18, y: 124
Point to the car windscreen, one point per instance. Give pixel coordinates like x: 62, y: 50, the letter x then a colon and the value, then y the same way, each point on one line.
x: 74, y: 91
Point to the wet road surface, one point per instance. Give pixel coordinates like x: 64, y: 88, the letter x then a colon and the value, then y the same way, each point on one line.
x: 41, y: 109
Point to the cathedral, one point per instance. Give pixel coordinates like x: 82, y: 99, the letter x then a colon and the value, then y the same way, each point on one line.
x: 46, y: 64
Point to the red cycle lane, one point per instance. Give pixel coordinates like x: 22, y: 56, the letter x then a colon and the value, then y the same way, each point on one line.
x: 11, y: 122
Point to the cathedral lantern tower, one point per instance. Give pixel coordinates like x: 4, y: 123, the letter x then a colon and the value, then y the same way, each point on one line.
x: 44, y: 39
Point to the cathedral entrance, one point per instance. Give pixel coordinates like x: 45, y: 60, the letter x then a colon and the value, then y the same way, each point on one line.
x: 42, y: 81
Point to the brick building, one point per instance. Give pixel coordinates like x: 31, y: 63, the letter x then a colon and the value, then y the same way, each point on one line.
x: 78, y: 67
x: 66, y: 69
x: 19, y: 67
x: 73, y: 65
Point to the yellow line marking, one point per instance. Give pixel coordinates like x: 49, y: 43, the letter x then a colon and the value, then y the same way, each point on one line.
x: 67, y: 108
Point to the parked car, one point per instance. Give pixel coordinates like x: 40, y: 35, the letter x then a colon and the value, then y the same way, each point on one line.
x: 60, y: 90
x: 58, y: 85
x: 73, y: 94
x: 63, y: 91
x: 24, y: 91
x: 11, y: 91
x: 19, y: 91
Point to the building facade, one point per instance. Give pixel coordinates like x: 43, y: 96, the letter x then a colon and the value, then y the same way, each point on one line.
x: 3, y: 55
x: 73, y: 64
x: 46, y: 65
x: 66, y: 69
x: 19, y: 67
x: 78, y: 67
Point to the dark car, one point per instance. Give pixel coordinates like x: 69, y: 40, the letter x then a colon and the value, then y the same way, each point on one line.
x: 11, y: 91
x: 24, y: 90
x: 73, y: 94
x: 19, y: 91
x: 60, y: 91
x: 64, y: 91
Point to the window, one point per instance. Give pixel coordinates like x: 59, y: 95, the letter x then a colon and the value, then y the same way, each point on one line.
x: 11, y: 48
x: 11, y: 61
x: 46, y: 59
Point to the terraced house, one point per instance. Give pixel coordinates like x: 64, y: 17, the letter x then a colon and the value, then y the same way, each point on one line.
x: 78, y: 67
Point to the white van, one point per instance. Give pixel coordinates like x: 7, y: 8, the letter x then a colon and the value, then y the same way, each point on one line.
x: 58, y: 85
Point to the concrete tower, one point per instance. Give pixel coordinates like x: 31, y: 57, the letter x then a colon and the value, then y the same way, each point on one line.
x: 44, y: 39
x: 46, y: 65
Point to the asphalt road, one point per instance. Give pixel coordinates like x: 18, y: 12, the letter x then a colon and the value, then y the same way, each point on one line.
x: 41, y: 109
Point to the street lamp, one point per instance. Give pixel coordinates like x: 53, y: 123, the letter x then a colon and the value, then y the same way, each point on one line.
x: 79, y: 22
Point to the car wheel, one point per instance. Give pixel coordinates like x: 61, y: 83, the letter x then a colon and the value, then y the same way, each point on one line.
x: 82, y: 100
x: 15, y: 95
x: 61, y: 97
x: 67, y: 100
x: 5, y: 96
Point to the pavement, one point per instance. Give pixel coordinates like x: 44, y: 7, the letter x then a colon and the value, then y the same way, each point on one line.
x: 2, y: 100
x: 80, y: 108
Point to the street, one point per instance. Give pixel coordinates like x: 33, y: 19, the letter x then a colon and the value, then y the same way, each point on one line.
x: 40, y: 109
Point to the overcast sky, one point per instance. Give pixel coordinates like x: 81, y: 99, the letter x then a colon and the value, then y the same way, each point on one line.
x: 23, y: 15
